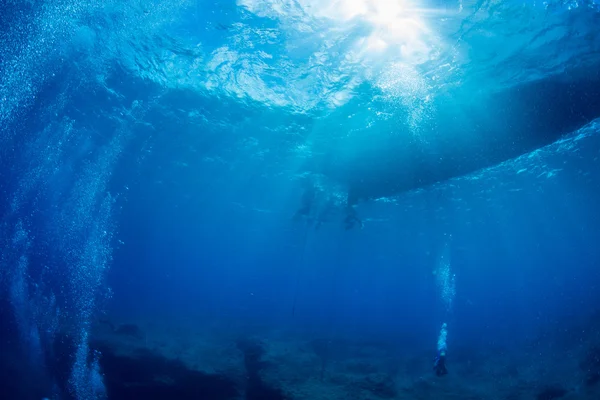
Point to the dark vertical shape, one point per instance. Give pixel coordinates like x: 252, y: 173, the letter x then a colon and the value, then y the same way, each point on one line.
x: 18, y: 379
x: 256, y: 388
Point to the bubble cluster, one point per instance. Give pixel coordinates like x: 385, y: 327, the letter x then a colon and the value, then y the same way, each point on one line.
x: 446, y: 281
x: 60, y: 173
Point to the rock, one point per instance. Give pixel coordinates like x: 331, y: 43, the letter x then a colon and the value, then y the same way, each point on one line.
x: 551, y: 393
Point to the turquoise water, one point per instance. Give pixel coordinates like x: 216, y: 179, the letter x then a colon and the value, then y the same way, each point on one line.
x: 194, y: 164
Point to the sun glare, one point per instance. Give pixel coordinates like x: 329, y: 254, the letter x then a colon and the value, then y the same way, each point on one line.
x: 398, y: 26
x: 377, y: 39
x: 395, y: 25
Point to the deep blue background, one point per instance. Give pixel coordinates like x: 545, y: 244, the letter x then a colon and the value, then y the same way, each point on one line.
x: 204, y: 228
x: 209, y: 245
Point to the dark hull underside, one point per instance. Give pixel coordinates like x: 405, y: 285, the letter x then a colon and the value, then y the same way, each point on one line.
x: 470, y: 136
x: 468, y: 133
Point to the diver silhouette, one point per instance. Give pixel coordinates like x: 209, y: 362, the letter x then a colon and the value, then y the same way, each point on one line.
x: 439, y: 363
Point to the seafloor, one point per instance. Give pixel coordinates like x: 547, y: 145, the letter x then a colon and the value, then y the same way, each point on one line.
x: 189, y: 360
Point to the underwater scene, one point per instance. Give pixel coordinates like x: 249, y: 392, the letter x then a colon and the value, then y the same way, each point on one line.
x: 299, y: 199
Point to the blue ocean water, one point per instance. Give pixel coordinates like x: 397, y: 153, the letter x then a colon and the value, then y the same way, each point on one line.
x: 286, y: 199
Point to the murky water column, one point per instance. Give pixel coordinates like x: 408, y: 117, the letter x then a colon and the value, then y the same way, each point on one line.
x: 77, y: 222
x: 83, y: 225
x: 19, y: 296
x: 29, y: 41
x: 54, y: 204
x: 57, y: 226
